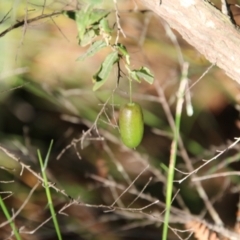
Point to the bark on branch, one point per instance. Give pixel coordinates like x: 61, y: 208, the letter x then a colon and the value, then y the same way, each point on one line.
x: 204, y: 27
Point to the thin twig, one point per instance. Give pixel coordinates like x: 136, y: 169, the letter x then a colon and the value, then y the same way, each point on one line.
x: 210, y: 160
x: 138, y: 196
x: 119, y: 28
x: 216, y: 175
x: 21, y: 207
x: 129, y: 185
x: 34, y: 19
x: 184, y: 154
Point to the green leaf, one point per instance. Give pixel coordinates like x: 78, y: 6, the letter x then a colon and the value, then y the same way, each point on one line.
x: 102, y: 74
x: 105, y: 26
x: 96, y: 15
x: 142, y: 73
x: 95, y: 47
x: 82, y: 19
x: 164, y: 167
x: 123, y: 50
x: 133, y: 75
x: 87, y: 38
x: 88, y: 20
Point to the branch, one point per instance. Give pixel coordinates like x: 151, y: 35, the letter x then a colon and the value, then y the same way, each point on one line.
x: 203, y: 26
x: 21, y: 23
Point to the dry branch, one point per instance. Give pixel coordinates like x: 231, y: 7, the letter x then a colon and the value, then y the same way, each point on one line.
x: 203, y: 26
x: 31, y: 20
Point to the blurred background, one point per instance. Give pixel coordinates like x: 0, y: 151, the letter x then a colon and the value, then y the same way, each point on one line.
x: 46, y: 94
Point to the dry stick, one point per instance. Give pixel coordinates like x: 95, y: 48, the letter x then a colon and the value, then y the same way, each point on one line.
x: 119, y: 28
x: 38, y: 227
x: 109, y: 183
x: 47, y: 220
x: 115, y: 194
x: 59, y: 29
x: 133, y: 225
x: 106, y: 147
x: 216, y: 175
x: 232, y: 159
x: 5, y: 17
x: 119, y: 166
x: 22, y: 23
x: 143, y: 196
x: 23, y: 32
x: 130, y: 185
x: 135, y: 199
x: 224, y: 188
x: 185, y: 156
x: 110, y: 208
x: 215, y: 198
x: 24, y: 166
x: 210, y: 160
x: 174, y: 40
x: 44, y: 4
x: 144, y: 29
x: 133, y: 191
x: 219, y: 229
x: 21, y: 207
x: 6, y: 192
x: 137, y: 212
x: 181, y: 215
x: 5, y: 182
x: 175, y: 231
x: 140, y: 158
x: 88, y: 132
x: 201, y: 77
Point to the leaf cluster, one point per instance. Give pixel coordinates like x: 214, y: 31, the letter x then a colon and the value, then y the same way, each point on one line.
x: 93, y: 22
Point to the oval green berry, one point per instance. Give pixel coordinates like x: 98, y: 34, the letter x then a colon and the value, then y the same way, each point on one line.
x: 131, y: 124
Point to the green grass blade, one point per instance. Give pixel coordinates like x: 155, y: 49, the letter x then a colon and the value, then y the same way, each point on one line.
x: 47, y: 156
x: 48, y: 192
x: 7, y: 215
x: 174, y: 147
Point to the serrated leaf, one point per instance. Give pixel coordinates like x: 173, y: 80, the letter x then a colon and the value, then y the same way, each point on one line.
x: 142, y: 73
x: 123, y: 50
x: 95, y: 47
x: 102, y: 74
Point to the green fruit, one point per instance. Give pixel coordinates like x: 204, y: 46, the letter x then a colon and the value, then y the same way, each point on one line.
x: 131, y: 124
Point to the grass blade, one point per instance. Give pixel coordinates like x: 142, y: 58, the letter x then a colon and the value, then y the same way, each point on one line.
x: 48, y: 192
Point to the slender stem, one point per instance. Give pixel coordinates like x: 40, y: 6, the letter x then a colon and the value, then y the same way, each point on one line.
x: 130, y: 90
x: 174, y: 146
x: 22, y: 22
